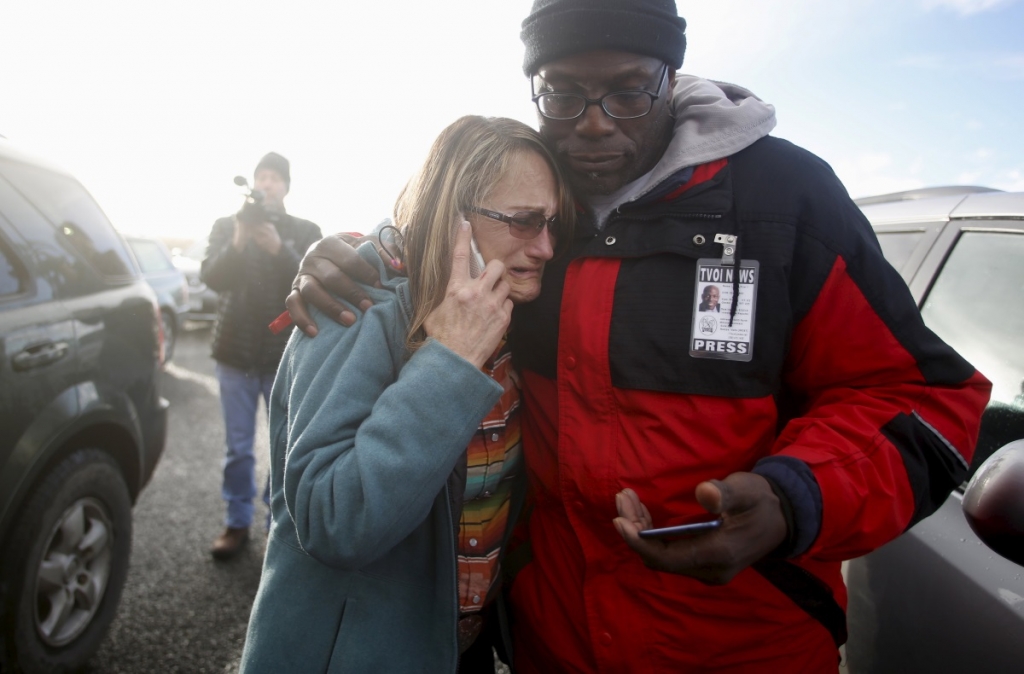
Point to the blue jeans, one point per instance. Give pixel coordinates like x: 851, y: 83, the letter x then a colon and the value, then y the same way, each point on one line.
x: 240, y: 392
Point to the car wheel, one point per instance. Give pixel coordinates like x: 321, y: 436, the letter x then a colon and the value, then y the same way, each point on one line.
x: 66, y: 563
x: 170, y: 334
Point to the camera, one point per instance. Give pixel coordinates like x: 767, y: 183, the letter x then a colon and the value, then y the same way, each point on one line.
x: 252, y: 211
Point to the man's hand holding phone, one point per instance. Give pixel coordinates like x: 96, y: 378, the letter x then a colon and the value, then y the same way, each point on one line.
x: 682, y: 530
x: 752, y: 526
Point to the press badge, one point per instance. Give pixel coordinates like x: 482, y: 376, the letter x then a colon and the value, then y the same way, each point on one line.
x: 712, y: 335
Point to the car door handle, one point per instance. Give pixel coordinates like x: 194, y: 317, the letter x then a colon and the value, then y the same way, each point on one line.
x: 39, y: 355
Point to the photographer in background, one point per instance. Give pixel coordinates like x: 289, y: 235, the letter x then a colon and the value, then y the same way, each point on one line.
x: 251, y: 260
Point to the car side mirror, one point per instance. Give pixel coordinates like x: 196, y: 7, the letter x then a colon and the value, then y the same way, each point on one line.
x: 994, y: 501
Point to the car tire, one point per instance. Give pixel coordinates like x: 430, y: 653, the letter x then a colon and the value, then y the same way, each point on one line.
x: 70, y: 548
x: 170, y: 327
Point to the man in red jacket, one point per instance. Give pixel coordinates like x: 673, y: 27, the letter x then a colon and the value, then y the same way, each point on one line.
x: 814, y: 413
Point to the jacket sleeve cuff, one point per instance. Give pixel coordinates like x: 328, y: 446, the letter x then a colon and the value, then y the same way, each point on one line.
x: 474, y: 382
x: 793, y: 482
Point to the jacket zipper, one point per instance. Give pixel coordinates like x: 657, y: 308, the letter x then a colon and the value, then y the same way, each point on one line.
x: 455, y: 567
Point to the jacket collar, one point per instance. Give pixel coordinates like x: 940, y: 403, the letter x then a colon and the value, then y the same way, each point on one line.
x: 714, y: 120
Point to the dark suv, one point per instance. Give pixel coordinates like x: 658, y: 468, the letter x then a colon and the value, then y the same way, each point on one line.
x: 82, y: 423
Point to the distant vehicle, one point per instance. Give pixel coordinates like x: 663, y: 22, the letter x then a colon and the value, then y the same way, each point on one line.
x: 168, y: 282
x: 202, y: 299
x: 938, y: 599
x: 82, y: 422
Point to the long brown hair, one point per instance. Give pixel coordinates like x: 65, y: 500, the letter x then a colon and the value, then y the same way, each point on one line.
x: 468, y: 159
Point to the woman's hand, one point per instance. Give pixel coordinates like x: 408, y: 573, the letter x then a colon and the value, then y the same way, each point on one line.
x: 475, y: 312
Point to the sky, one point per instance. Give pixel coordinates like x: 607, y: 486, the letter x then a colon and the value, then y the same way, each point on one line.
x: 155, y: 107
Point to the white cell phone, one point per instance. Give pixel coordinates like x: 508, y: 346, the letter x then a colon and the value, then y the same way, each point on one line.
x: 476, y: 260
x: 683, y: 530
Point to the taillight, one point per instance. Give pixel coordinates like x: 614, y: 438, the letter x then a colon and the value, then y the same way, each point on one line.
x: 158, y: 329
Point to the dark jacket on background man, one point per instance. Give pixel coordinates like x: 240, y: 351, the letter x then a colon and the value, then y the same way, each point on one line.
x: 253, y: 285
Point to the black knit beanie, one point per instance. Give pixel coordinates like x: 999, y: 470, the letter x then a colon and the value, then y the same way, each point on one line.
x: 275, y: 162
x: 559, y: 28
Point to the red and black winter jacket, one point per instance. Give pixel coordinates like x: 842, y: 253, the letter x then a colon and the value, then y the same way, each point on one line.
x: 861, y: 417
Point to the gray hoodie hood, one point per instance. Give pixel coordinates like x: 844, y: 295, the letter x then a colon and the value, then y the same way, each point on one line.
x: 714, y: 120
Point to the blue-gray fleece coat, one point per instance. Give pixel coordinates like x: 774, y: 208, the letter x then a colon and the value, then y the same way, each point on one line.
x: 360, y: 570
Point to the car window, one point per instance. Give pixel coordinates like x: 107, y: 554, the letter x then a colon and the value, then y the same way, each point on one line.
x: 897, y: 247
x: 150, y: 256
x: 66, y: 204
x: 13, y: 279
x: 58, y: 269
x: 976, y: 306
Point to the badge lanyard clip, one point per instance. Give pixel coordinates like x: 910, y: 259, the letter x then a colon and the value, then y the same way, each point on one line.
x: 728, y: 242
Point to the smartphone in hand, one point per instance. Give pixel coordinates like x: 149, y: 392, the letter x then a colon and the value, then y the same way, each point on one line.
x: 476, y: 260
x: 683, y: 530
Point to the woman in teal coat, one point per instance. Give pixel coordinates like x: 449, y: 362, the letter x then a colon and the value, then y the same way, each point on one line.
x: 366, y: 567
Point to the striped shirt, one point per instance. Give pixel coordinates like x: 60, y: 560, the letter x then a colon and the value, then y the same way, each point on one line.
x: 494, y: 457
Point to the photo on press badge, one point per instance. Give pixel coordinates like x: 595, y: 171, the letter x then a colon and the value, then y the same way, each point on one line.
x: 717, y: 332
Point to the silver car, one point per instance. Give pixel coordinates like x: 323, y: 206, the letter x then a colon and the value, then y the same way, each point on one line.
x: 938, y: 599
x: 202, y: 299
x: 169, y: 284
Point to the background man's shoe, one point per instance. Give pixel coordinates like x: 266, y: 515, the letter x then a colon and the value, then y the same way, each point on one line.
x: 229, y: 543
